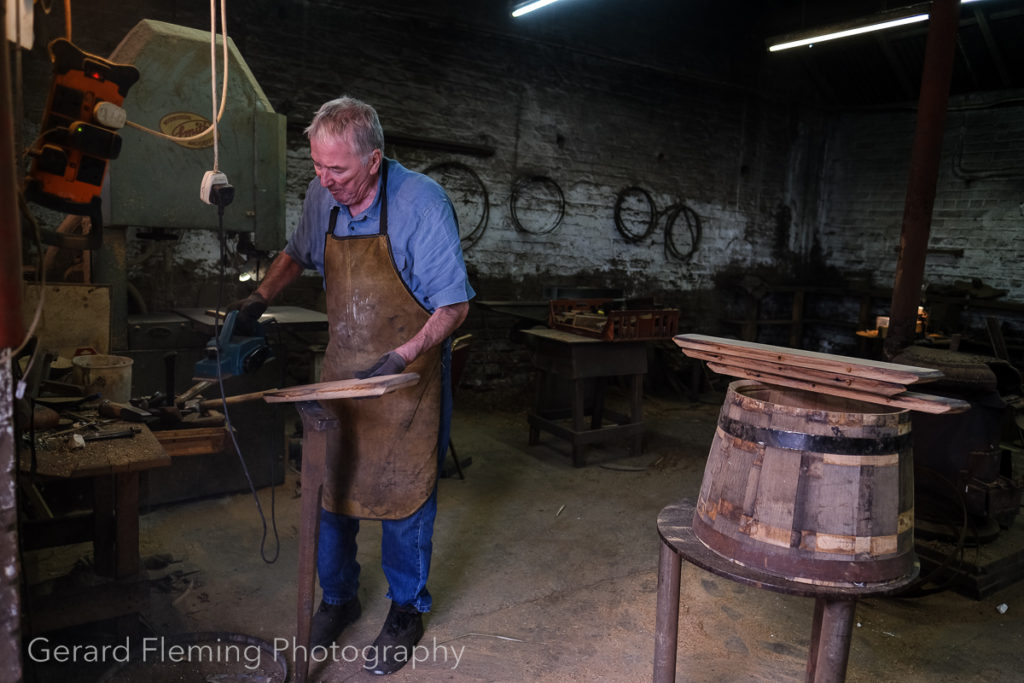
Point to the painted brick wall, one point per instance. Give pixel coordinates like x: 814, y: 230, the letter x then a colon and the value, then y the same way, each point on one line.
x: 781, y: 193
x: 978, y: 205
x: 592, y: 125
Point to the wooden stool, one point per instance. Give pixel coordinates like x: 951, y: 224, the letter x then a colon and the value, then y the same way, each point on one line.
x: 833, y: 608
x: 321, y: 440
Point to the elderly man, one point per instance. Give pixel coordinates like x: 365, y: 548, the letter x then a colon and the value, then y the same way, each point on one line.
x: 386, y: 241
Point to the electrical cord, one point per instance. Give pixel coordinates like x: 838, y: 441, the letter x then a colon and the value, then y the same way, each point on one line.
x: 620, y: 224
x: 477, y: 232
x: 218, y: 112
x: 517, y: 190
x: 41, y: 280
x: 224, y: 404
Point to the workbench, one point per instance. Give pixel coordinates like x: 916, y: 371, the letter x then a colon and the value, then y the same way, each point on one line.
x: 114, y: 466
x: 585, y: 363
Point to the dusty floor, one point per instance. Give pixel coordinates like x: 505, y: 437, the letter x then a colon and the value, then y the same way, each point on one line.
x: 541, y: 572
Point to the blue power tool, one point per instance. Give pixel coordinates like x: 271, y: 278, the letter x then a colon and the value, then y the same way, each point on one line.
x: 228, y: 355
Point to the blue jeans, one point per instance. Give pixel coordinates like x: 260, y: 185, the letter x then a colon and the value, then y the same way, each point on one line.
x: 406, y: 544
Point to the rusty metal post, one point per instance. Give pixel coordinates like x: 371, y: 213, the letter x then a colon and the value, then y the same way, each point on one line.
x: 666, y: 616
x: 319, y: 434
x: 11, y: 326
x: 924, y: 173
x: 11, y: 333
x: 830, y: 646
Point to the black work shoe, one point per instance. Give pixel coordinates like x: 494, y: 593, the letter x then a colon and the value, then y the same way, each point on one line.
x: 330, y: 620
x: 393, y: 648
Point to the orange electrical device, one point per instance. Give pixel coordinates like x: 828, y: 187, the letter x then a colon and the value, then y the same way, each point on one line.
x: 79, y: 130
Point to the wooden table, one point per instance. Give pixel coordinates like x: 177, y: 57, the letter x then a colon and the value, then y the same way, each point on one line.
x: 582, y: 360
x: 834, y: 606
x: 114, y: 466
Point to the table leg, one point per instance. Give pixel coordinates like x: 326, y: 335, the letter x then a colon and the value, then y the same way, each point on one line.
x: 597, y: 415
x: 319, y: 434
x: 666, y: 624
x: 578, y: 413
x: 116, y: 531
x: 830, y: 640
x: 636, y: 410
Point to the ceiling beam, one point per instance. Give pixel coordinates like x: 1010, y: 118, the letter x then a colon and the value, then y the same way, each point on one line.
x: 993, y: 48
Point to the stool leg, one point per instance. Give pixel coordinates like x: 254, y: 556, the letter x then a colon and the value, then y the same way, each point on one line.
x: 319, y: 432
x: 830, y: 641
x: 666, y: 621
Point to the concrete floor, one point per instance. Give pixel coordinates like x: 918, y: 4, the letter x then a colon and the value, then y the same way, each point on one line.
x: 541, y: 572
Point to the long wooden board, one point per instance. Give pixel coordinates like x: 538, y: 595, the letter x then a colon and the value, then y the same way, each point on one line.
x: 343, y: 388
x: 857, y: 367
x: 909, y: 400
x: 819, y: 376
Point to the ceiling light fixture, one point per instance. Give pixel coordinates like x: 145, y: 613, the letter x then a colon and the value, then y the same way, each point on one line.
x: 876, y: 22
x: 527, y: 7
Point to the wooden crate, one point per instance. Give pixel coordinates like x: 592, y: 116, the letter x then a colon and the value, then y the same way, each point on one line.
x: 589, y: 318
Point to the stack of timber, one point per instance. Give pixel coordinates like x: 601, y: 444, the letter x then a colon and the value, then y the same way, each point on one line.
x: 854, y: 378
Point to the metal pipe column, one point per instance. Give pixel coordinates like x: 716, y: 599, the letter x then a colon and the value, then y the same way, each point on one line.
x: 924, y: 172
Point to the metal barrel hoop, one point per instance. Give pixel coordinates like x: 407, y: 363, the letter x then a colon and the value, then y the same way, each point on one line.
x: 620, y: 225
x: 514, y: 197
x: 474, y: 235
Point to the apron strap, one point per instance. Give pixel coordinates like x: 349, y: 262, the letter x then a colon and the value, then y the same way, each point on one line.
x: 333, y: 222
x: 384, y: 196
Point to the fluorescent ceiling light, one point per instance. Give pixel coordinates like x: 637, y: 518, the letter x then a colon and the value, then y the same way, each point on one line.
x: 821, y: 38
x: 878, y: 22
x: 527, y: 7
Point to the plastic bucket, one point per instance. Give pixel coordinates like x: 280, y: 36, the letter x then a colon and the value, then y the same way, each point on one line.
x: 109, y: 376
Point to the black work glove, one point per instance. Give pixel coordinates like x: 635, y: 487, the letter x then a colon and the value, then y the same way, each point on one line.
x: 389, y: 364
x: 249, y: 311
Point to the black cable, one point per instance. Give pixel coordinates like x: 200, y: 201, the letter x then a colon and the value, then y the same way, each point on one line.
x: 227, y: 416
x: 477, y: 232
x: 518, y: 188
x: 652, y: 220
x: 693, y: 226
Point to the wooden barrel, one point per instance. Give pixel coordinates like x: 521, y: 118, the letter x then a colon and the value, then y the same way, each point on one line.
x: 809, y: 487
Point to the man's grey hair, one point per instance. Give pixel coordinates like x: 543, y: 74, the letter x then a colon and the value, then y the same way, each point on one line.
x: 348, y: 116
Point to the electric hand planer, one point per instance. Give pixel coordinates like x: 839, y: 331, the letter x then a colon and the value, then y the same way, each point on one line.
x: 229, y: 354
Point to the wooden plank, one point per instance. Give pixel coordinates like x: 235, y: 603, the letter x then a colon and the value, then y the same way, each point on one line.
x: 825, y: 377
x: 859, y: 367
x: 343, y: 388
x: 907, y: 400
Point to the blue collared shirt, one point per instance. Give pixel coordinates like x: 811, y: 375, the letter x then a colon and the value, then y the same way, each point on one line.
x: 422, y: 228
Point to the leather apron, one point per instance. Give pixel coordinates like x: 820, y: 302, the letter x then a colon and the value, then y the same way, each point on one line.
x: 388, y: 461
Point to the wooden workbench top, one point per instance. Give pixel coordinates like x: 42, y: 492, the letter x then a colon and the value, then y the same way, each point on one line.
x: 55, y: 458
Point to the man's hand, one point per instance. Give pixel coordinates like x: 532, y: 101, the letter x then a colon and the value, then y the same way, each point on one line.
x: 389, y: 364
x: 249, y: 311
